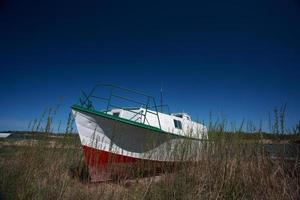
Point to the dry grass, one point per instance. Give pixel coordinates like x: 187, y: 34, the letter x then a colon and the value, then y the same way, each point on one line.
x: 229, y: 169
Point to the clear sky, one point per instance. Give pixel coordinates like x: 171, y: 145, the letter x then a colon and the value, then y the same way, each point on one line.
x: 238, y: 59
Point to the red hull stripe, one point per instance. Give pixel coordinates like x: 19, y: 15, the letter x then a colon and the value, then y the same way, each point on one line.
x: 99, y: 157
x: 101, y: 164
x: 95, y: 157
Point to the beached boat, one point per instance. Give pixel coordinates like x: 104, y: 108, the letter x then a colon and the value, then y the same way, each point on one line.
x: 123, y: 135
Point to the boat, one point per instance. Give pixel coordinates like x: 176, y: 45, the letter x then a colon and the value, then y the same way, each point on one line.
x: 4, y: 135
x: 136, y: 130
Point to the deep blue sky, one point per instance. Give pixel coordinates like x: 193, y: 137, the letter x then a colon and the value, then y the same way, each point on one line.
x: 238, y: 59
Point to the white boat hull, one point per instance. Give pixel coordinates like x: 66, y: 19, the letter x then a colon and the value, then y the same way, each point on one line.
x: 103, y: 136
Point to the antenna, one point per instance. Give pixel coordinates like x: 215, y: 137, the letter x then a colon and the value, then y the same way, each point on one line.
x: 161, y: 98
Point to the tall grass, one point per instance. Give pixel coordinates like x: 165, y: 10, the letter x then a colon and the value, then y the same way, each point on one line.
x: 231, y: 166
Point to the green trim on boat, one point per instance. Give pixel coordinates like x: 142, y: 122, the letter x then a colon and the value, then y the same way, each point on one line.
x: 102, y: 114
x: 126, y: 121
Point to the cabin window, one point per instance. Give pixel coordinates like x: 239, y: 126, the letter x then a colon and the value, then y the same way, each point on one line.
x: 177, y: 124
x: 116, y: 114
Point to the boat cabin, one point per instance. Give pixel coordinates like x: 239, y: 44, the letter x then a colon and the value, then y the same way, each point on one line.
x: 177, y: 123
x: 182, y: 115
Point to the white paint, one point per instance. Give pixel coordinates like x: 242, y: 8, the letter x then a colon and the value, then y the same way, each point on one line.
x: 4, y: 135
x: 189, y: 128
x: 129, y: 140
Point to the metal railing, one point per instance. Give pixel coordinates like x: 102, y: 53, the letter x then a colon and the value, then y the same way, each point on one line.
x: 88, y: 101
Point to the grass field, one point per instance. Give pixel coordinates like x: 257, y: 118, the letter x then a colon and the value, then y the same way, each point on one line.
x: 235, y: 164
x: 52, y: 167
